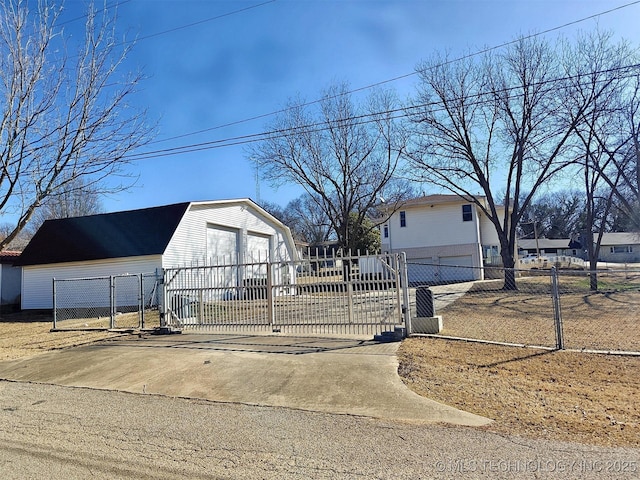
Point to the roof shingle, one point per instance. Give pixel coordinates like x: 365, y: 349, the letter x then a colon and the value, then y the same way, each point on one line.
x: 111, y: 235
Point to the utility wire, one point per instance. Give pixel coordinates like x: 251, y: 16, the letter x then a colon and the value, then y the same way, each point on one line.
x: 84, y: 17
x: 401, y: 77
x: 206, y: 20
x: 392, y: 114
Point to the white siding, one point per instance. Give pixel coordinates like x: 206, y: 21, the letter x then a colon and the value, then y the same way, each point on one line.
x: 189, y: 243
x: 430, y: 226
x: 488, y: 232
x: 37, y: 280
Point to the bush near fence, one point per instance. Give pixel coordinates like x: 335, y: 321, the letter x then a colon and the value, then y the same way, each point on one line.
x: 603, y: 320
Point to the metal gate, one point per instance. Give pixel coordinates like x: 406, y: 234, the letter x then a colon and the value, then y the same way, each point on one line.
x: 334, y: 295
x: 110, y: 302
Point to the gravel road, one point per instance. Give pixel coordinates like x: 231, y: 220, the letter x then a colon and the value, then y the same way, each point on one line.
x: 48, y: 431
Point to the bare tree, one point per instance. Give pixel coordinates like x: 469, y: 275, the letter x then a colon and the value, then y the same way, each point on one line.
x: 600, y: 70
x: 304, y: 217
x: 558, y: 214
x: 344, y: 155
x: 626, y: 160
x: 63, y: 116
x: 498, y: 123
x: 76, y: 200
x: 309, y: 219
x: 19, y: 241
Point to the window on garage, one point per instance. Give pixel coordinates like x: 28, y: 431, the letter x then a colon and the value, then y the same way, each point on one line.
x: 403, y: 219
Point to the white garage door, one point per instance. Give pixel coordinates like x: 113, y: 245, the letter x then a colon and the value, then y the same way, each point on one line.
x: 421, y: 271
x: 222, y: 245
x: 457, y: 269
x: 257, y: 248
x: 426, y: 271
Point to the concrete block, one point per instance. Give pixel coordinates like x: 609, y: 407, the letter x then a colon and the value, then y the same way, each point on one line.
x: 426, y: 324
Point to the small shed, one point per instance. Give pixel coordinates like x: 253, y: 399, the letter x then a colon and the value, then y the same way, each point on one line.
x: 10, y: 279
x: 150, y: 240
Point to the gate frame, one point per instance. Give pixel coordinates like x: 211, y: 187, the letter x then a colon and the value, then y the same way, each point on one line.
x: 171, y: 319
x: 112, y: 308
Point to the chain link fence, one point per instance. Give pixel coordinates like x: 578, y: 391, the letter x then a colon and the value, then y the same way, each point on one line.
x: 109, y: 302
x: 548, y: 307
x: 606, y: 318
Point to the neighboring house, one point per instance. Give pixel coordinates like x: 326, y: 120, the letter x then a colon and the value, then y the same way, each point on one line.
x: 547, y: 247
x: 10, y: 278
x: 446, y: 238
x: 149, y: 240
x: 620, y: 248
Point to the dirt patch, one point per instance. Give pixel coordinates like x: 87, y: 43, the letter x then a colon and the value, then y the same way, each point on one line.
x: 569, y: 396
x: 24, y: 334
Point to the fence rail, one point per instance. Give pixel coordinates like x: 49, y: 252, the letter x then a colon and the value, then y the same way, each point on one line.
x: 556, y: 308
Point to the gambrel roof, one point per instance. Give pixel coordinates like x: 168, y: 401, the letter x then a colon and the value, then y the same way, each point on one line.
x: 110, y: 235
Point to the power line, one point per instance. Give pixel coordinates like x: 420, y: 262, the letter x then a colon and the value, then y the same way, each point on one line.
x: 84, y: 17
x: 401, y: 77
x: 206, y: 20
x: 365, y: 118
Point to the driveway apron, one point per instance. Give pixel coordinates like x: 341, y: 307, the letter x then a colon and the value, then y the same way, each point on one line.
x: 332, y: 375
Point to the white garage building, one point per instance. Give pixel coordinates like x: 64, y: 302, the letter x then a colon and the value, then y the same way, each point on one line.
x: 149, y: 240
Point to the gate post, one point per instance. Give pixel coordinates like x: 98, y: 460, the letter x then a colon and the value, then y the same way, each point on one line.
x: 55, y: 305
x: 141, y: 302
x: 112, y: 301
x: 557, y: 314
x: 403, y: 279
x: 163, y: 302
x: 270, y: 303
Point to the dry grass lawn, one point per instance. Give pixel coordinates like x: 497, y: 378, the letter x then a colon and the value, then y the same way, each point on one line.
x: 24, y: 334
x: 605, y: 320
x: 588, y: 398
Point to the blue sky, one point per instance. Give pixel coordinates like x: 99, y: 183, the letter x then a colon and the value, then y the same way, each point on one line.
x: 249, y: 63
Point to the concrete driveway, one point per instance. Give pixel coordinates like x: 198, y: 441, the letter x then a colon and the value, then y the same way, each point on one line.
x: 333, y: 375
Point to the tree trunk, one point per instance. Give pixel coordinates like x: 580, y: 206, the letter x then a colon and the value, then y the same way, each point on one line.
x: 508, y: 263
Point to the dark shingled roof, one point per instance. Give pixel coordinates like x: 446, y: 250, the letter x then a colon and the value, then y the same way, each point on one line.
x: 110, y: 235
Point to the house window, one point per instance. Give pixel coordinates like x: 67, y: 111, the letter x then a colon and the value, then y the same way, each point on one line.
x: 403, y: 219
x: 467, y: 216
x: 621, y: 249
x: 386, y: 231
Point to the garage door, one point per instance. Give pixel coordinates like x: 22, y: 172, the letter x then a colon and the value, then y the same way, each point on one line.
x: 222, y: 244
x: 427, y: 271
x: 257, y: 248
x: 457, y: 269
x: 421, y: 271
